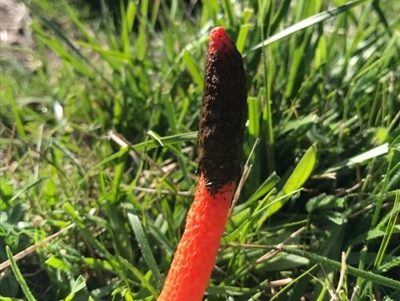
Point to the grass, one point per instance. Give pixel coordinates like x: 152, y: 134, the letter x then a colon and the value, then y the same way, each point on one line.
x: 98, y: 151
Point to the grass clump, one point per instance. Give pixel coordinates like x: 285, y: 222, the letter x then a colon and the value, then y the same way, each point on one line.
x: 98, y: 144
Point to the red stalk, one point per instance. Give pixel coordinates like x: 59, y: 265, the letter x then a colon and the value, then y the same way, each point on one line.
x: 194, y: 259
x: 220, y: 153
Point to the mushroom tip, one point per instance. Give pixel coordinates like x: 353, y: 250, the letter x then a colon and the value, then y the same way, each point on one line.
x: 220, y: 41
x: 215, y: 32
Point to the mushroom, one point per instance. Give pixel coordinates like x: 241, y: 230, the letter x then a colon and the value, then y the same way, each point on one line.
x: 220, y: 155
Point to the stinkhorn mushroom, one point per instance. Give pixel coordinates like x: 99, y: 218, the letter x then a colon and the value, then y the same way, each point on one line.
x: 220, y: 155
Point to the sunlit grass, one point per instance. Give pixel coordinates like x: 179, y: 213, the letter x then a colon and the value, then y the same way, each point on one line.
x: 102, y: 137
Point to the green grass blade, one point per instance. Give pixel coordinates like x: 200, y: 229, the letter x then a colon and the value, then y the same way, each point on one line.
x: 141, y: 39
x: 254, y: 116
x: 18, y: 121
x: 128, y: 18
x: 228, y: 8
x: 19, y: 276
x: 369, y: 276
x: 28, y: 187
x: 212, y: 8
x: 169, y: 140
x: 309, y: 22
x: 390, y: 227
x: 194, y: 71
x: 145, y: 247
x: 298, y: 177
x: 242, y: 37
x: 119, y: 171
x: 144, y: 283
x: 368, y: 155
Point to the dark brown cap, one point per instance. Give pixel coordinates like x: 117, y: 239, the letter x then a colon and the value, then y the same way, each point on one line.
x: 223, y: 113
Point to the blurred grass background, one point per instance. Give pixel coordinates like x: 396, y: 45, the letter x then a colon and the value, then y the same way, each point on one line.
x: 98, y: 137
